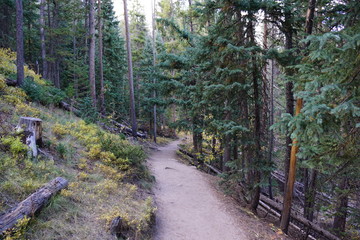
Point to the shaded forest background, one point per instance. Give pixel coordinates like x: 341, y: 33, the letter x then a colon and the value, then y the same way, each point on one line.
x: 254, y: 82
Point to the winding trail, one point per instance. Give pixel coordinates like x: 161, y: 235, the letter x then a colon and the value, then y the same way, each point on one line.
x: 189, y: 208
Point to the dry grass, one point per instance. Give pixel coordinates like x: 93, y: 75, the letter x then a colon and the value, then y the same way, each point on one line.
x: 102, y: 182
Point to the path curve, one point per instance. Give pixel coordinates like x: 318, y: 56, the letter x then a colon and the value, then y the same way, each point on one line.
x: 188, y: 207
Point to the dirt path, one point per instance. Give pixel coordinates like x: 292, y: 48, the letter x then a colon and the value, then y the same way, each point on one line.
x: 188, y: 206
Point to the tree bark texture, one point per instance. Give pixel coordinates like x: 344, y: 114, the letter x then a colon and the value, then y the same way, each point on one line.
x: 130, y: 72
x: 257, y: 127
x: 92, y: 52
x: 310, y: 196
x: 32, y: 130
x: 42, y: 38
x: 101, y: 65
x: 19, y: 42
x: 32, y: 204
x: 339, y: 223
x: 285, y: 217
x: 154, y: 64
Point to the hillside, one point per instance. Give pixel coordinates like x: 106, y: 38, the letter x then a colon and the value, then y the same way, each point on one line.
x: 104, y: 170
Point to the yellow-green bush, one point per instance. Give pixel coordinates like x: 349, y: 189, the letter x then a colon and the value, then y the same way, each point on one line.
x: 99, y: 165
x: 15, y: 145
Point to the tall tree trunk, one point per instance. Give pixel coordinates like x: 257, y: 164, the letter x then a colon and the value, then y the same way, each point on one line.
x: 19, y: 43
x: 92, y: 52
x: 257, y: 125
x: 86, y: 26
x: 131, y: 80
x: 271, y: 122
x: 191, y: 20
x: 288, y: 87
x: 213, y: 146
x: 227, y: 142
x: 154, y: 64
x: 267, y: 111
x: 235, y: 149
x: 341, y: 207
x: 42, y: 39
x: 75, y: 56
x: 285, y: 216
x: 50, y: 64
x: 56, y: 66
x: 197, y: 135
x: 101, y: 69
x: 310, y: 194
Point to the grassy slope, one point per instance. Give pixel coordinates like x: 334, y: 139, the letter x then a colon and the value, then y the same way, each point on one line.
x: 101, y: 168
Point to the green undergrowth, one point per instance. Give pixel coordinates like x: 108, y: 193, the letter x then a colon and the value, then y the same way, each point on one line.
x: 106, y: 172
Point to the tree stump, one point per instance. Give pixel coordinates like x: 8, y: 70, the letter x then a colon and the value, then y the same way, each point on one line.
x: 32, y: 130
x: 31, y: 205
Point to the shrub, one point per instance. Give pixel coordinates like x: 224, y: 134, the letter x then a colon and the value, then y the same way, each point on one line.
x: 44, y: 94
x: 61, y: 149
x: 88, y: 111
x: 16, y: 147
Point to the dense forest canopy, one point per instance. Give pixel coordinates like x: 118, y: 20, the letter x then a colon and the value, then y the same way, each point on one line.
x: 262, y: 86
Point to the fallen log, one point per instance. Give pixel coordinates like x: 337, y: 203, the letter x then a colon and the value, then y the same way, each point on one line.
x: 31, y: 205
x: 11, y: 82
x: 214, y: 169
x: 278, y: 207
x: 70, y: 108
x: 124, y: 129
x: 278, y: 215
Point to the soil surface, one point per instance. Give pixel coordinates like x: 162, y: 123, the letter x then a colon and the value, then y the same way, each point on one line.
x: 191, y: 207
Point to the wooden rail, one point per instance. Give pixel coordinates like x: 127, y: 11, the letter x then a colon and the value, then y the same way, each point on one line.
x: 298, y: 222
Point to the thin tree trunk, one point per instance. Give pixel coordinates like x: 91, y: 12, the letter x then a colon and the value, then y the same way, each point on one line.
x: 92, y: 52
x: 267, y: 120
x: 86, y: 26
x: 75, y: 77
x: 130, y: 73
x: 227, y: 143
x: 101, y: 69
x: 235, y: 149
x: 213, y: 148
x: 285, y: 216
x: 42, y: 38
x: 19, y: 43
x: 288, y: 92
x: 154, y: 64
x: 339, y: 223
x: 310, y: 194
x: 56, y: 66
x: 257, y: 127
x: 191, y: 21
x: 271, y: 122
x: 50, y: 64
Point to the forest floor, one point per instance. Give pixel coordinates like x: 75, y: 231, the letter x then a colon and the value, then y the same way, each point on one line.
x: 191, y: 205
